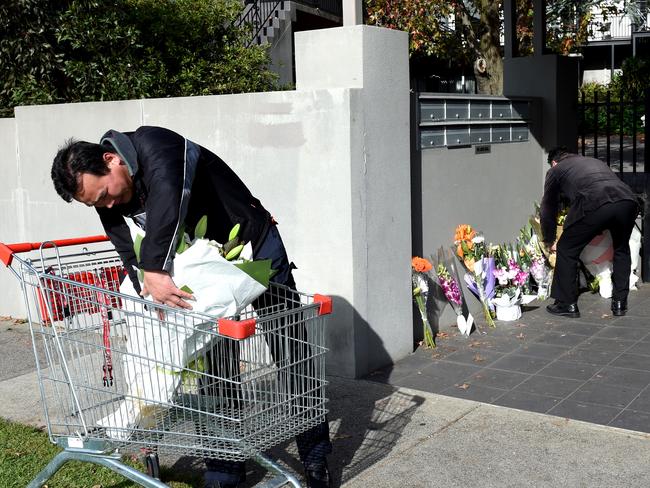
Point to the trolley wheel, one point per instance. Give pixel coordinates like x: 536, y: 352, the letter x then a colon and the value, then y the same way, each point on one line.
x: 153, y: 465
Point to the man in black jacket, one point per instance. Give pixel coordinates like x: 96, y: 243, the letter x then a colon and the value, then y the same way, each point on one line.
x: 164, y: 181
x: 598, y: 200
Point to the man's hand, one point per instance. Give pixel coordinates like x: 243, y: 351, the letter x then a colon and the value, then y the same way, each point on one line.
x: 162, y: 289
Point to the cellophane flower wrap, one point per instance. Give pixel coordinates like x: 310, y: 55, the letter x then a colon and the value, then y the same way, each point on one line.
x: 449, y: 283
x: 222, y: 287
x: 540, y: 266
x: 512, y: 287
x: 420, y: 268
x: 475, y: 255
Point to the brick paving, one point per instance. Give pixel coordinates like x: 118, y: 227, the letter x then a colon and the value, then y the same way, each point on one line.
x: 595, y: 368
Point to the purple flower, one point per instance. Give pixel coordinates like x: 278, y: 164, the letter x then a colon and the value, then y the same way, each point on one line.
x: 451, y: 290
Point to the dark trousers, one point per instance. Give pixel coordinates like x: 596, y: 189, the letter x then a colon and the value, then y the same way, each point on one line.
x: 618, y: 218
x: 314, y: 444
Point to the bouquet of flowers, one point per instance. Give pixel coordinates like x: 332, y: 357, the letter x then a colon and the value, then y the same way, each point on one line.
x: 450, y: 285
x: 420, y: 268
x: 223, y: 284
x: 512, y: 275
x: 538, y: 265
x: 475, y: 255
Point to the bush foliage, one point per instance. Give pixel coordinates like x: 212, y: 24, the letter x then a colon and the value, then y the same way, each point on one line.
x: 88, y: 50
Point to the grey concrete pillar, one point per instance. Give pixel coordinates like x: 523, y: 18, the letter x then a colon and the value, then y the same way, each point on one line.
x: 352, y: 12
x: 372, y: 326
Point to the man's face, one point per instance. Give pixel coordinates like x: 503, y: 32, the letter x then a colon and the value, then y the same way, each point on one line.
x: 114, y: 188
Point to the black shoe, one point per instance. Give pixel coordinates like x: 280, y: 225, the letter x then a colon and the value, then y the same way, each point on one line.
x: 619, y: 307
x: 318, y: 477
x: 564, y: 309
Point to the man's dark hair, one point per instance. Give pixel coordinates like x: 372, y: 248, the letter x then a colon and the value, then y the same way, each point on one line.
x: 73, y: 159
x: 556, y: 154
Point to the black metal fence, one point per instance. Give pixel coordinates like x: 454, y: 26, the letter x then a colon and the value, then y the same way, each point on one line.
x: 258, y: 14
x: 613, y: 129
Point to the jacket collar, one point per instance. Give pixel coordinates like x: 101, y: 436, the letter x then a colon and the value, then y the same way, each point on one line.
x: 124, y: 147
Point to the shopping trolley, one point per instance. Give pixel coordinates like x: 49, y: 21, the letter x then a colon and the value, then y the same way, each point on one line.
x: 119, y: 373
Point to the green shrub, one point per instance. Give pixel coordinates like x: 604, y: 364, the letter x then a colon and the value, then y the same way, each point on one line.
x: 619, y: 122
x: 86, y: 50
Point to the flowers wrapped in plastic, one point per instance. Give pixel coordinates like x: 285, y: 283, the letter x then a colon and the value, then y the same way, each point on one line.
x: 222, y: 284
x: 475, y: 255
x: 450, y: 285
x: 542, y: 261
x: 420, y: 268
x: 512, y: 286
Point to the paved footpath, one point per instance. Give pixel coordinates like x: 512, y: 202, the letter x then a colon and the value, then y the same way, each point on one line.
x: 387, y: 436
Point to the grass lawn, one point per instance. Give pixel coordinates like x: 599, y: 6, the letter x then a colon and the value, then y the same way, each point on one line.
x: 24, y: 451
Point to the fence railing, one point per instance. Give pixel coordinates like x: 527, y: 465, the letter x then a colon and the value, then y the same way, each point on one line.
x: 612, y: 128
x: 622, y: 122
x: 610, y: 26
x: 257, y: 15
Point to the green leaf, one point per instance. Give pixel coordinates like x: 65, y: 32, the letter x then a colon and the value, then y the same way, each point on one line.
x: 137, y: 245
x: 201, y: 228
x: 260, y: 270
x: 186, y: 289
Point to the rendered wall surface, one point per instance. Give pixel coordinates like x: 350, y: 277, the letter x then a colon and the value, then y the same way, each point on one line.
x: 554, y: 80
x: 380, y: 180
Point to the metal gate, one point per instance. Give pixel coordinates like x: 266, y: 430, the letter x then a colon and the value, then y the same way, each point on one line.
x: 614, y: 130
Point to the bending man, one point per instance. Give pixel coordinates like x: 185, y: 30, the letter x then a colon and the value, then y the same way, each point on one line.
x: 598, y: 201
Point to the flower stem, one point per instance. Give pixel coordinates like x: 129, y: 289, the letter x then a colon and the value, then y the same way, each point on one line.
x: 481, y: 292
x: 429, y: 341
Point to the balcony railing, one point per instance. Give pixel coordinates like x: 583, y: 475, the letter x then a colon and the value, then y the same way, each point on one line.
x: 621, y: 26
x: 258, y: 14
x: 610, y: 27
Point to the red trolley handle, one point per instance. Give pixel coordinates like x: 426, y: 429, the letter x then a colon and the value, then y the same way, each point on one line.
x: 7, y: 251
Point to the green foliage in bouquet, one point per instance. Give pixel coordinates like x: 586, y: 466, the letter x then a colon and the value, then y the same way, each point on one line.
x: 259, y: 270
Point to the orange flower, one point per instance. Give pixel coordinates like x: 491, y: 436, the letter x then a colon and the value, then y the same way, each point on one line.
x: 421, y: 265
x: 469, y: 263
x: 464, y: 232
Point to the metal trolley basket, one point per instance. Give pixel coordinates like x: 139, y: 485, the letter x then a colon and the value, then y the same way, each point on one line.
x: 117, y: 372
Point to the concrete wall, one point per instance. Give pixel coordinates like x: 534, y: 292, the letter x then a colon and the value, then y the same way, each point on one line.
x: 380, y: 179
x: 322, y: 159
x: 554, y: 80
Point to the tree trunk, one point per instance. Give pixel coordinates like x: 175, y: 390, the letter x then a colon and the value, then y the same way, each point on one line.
x: 490, y: 80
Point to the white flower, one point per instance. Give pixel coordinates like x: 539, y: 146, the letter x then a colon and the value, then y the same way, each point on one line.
x: 478, y: 240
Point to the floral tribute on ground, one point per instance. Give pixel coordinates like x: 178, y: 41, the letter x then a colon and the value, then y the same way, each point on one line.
x: 512, y: 274
x: 420, y: 268
x: 475, y: 256
x: 449, y: 282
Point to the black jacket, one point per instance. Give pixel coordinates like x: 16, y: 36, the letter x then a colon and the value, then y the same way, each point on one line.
x: 586, y: 183
x: 176, y: 182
